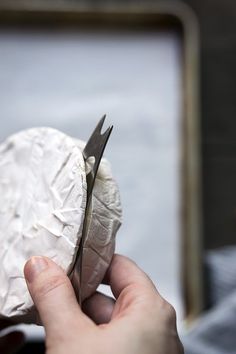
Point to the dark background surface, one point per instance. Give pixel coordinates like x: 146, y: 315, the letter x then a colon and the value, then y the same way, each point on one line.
x: 33, y: 348
x: 217, y: 20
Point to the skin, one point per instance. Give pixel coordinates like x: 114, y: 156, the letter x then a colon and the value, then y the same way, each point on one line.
x: 138, y: 321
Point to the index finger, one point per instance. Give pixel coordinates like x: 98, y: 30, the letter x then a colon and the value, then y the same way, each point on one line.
x: 123, y: 273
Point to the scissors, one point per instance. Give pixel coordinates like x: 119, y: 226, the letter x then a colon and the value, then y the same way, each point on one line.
x: 93, y: 151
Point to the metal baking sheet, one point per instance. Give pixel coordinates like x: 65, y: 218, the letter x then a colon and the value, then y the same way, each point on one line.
x: 66, y: 66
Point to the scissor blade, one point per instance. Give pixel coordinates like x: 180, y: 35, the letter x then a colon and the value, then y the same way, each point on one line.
x: 94, y: 148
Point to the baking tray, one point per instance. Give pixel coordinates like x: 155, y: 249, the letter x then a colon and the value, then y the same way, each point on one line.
x: 162, y: 15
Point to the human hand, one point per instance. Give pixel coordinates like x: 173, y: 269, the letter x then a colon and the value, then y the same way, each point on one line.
x: 139, y: 321
x: 12, y: 341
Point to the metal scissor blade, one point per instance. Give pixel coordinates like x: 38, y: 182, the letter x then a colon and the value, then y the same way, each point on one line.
x: 94, y: 148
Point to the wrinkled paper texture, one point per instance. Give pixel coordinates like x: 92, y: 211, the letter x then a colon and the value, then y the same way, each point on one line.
x: 43, y: 200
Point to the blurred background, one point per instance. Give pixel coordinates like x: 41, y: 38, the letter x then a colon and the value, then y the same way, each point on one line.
x: 163, y: 72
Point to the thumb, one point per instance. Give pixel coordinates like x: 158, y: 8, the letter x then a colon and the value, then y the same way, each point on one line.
x: 54, y: 297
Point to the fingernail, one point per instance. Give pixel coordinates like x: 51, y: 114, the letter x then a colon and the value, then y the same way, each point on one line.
x: 34, y: 267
